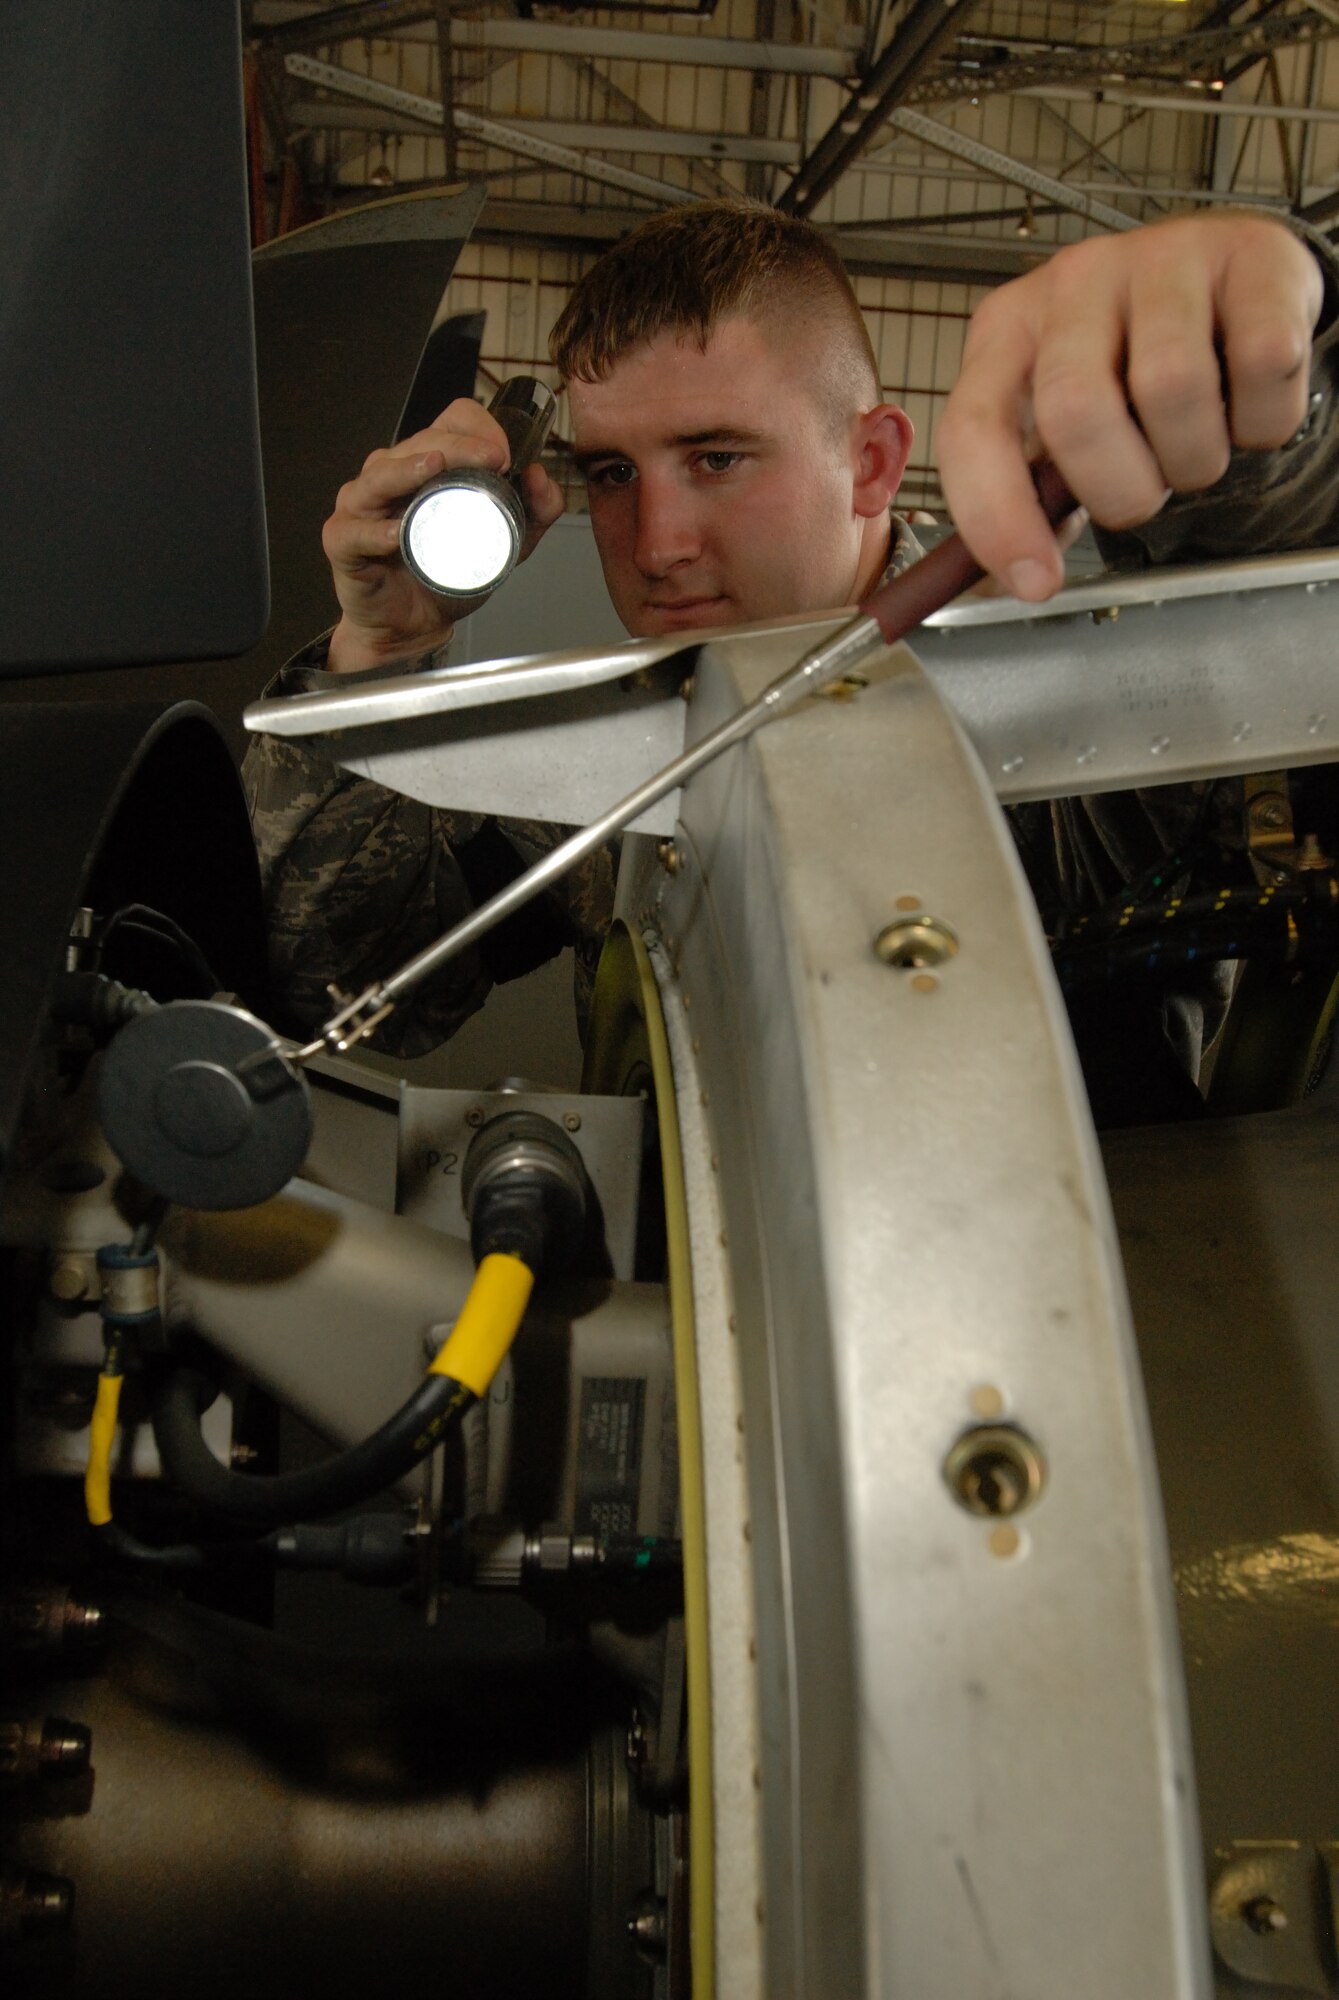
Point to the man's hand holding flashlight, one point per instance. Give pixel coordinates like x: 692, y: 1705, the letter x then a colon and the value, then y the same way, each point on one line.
x: 386, y: 614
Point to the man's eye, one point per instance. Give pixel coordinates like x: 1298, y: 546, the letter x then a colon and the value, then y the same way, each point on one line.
x: 720, y: 461
x: 616, y: 473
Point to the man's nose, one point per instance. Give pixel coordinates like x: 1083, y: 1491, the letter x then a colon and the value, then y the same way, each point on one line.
x: 668, y: 528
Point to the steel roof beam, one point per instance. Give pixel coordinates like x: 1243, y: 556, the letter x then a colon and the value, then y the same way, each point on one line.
x: 1179, y: 57
x: 339, y: 24
x: 1003, y: 168
x: 627, y: 45
x: 699, y: 147
x: 916, y: 43
x: 1207, y: 107
x: 866, y: 251
x: 548, y: 131
x: 550, y: 38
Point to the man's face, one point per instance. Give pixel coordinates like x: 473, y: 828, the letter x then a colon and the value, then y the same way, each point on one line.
x: 719, y: 490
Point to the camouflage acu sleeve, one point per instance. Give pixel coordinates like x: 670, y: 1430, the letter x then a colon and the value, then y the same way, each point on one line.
x: 357, y: 879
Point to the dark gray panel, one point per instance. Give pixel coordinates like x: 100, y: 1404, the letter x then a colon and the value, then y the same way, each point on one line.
x: 132, y: 459
x: 343, y: 309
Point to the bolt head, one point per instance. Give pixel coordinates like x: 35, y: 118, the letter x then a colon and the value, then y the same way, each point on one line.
x: 69, y: 1280
x: 1264, y: 1916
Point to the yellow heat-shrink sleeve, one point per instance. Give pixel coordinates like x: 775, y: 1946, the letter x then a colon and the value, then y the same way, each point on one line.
x: 477, y: 1344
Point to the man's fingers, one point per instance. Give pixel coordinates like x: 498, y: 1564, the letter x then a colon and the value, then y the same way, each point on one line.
x: 543, y: 500
x: 982, y: 460
x: 350, y: 540
x: 390, y: 477
x: 1080, y: 412
x: 1173, y: 375
x: 1270, y: 300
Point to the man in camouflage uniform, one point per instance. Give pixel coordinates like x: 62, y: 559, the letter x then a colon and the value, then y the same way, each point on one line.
x: 741, y: 465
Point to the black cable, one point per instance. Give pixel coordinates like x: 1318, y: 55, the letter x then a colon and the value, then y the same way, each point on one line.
x: 112, y: 1537
x: 271, y: 1499
x: 525, y: 1195
x: 371, y: 1548
x: 1291, y: 923
x: 1239, y: 902
x: 1169, y: 868
x: 1285, y: 942
x: 145, y: 921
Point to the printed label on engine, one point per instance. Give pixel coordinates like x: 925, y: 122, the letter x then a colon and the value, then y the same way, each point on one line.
x: 609, y: 1456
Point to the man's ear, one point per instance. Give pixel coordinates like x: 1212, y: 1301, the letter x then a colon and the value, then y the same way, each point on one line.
x: 883, y: 439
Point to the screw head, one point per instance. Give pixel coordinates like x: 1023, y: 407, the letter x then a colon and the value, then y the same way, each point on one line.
x: 648, y: 1927
x: 915, y: 943
x: 572, y: 1120
x: 65, y: 1746
x: 669, y: 857
x: 474, y: 1116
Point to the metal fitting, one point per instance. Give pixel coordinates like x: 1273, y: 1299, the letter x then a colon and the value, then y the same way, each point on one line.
x: 129, y: 1285
x: 913, y: 944
x: 45, y: 1618
x: 523, y: 1186
x: 80, y: 937
x: 1269, y: 809
x: 995, y: 1470
x: 1264, y: 1916
x: 31, y: 1903
x: 71, y: 1279
x: 42, y: 1748
x: 553, y: 1553
x: 498, y: 1550
x: 648, y: 1927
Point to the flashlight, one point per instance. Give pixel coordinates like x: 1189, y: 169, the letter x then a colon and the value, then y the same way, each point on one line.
x: 463, y: 533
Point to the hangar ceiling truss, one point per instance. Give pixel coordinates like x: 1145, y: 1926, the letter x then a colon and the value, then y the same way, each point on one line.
x: 569, y: 111
x: 945, y: 145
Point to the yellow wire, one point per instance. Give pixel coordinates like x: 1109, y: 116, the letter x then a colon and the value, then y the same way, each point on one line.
x: 477, y: 1344
x: 101, y: 1432
x: 629, y: 981
x: 472, y: 1353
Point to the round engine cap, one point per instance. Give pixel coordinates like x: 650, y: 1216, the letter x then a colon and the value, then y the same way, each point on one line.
x: 199, y: 1104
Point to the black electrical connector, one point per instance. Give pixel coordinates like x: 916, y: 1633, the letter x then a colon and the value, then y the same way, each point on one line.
x: 525, y: 1191
x: 91, y: 1000
x: 370, y: 1548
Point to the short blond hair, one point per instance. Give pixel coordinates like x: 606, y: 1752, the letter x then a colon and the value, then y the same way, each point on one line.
x: 690, y: 268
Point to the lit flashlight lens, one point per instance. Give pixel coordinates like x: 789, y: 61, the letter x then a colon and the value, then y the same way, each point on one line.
x: 461, y: 539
